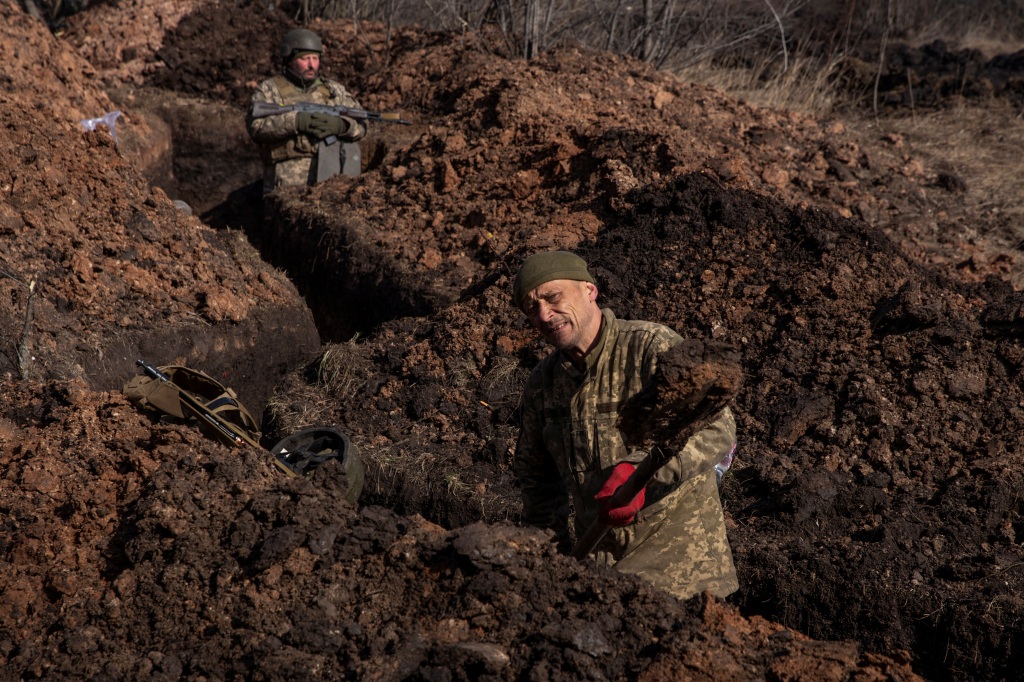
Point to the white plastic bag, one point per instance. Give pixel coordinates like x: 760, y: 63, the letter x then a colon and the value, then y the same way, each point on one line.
x: 108, y: 119
x: 724, y: 465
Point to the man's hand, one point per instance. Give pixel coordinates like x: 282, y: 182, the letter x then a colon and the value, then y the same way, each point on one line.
x: 618, y: 516
x: 321, y: 125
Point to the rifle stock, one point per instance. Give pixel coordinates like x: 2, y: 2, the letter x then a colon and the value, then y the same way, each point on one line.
x: 263, y: 109
x: 224, y: 430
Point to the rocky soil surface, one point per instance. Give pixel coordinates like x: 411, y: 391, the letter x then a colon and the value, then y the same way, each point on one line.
x: 874, y: 506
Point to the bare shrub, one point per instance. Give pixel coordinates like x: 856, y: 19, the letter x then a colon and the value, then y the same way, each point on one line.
x: 662, y: 32
x: 775, y: 52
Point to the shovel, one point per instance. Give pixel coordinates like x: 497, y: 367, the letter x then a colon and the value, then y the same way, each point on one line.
x: 693, y: 383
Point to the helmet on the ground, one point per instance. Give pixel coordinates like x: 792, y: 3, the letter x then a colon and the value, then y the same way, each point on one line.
x: 300, y: 453
x: 299, y: 40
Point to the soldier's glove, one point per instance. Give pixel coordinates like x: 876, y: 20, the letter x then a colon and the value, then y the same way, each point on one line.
x: 321, y: 125
x: 618, y: 516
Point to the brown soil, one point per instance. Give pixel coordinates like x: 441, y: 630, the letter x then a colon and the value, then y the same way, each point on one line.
x: 693, y: 383
x: 874, y: 506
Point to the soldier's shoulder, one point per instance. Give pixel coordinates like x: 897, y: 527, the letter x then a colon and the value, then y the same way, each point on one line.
x: 647, y: 329
x: 641, y: 325
x: 336, y: 86
x: 269, y: 87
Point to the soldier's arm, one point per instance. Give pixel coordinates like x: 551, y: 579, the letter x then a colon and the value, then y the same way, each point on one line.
x: 705, y: 449
x: 270, y: 128
x: 540, y: 483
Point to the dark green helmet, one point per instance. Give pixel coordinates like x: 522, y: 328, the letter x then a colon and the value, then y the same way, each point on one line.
x: 301, y: 453
x: 299, y: 40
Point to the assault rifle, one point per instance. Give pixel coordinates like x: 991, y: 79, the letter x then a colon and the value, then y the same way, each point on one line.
x: 263, y: 109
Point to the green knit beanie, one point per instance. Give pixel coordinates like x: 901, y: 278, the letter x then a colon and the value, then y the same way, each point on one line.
x: 541, y: 268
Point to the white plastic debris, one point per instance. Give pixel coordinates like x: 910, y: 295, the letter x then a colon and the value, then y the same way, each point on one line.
x: 724, y: 465
x: 108, y: 119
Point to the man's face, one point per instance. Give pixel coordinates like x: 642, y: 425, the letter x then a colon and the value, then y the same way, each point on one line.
x: 566, y: 314
x: 306, y: 67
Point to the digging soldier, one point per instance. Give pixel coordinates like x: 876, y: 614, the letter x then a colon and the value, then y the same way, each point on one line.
x: 673, y: 532
x: 299, y: 147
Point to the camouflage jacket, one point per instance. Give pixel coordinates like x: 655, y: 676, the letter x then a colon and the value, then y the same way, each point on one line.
x: 287, y: 154
x: 568, y: 446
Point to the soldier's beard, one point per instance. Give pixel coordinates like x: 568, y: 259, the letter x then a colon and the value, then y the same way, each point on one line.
x: 304, y: 77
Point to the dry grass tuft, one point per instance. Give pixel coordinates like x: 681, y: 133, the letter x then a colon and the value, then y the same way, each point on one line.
x: 808, y: 86
x: 336, y: 376
x: 337, y: 371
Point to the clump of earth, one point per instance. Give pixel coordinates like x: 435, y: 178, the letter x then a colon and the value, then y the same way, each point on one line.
x: 873, y: 507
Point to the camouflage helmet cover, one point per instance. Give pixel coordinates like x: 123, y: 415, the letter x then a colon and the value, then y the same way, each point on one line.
x: 299, y: 40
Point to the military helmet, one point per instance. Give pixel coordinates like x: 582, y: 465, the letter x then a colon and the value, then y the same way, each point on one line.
x: 299, y: 40
x: 301, y: 453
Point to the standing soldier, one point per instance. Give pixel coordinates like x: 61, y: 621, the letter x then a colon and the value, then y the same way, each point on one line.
x: 672, y: 533
x: 300, y: 147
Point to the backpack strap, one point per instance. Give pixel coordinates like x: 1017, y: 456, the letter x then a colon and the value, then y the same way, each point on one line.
x: 165, y: 398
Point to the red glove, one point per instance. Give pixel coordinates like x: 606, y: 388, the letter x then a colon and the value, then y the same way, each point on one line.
x: 618, y: 516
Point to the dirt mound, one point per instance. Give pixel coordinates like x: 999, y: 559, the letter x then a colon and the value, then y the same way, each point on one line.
x: 936, y: 75
x: 37, y: 70
x: 154, y: 553
x: 100, y: 269
x: 872, y: 502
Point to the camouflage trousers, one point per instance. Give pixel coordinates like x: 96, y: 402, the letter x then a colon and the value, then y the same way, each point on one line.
x: 682, y: 548
x: 289, y: 173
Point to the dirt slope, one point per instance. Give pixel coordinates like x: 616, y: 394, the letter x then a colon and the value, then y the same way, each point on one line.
x: 150, y: 553
x: 99, y: 268
x: 872, y: 506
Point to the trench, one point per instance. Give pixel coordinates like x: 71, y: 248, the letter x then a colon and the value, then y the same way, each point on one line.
x: 348, y: 286
x: 350, y: 289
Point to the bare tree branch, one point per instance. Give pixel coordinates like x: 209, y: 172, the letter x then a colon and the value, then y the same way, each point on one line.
x: 782, y: 32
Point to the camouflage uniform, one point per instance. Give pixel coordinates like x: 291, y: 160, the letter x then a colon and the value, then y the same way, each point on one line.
x: 288, y: 156
x: 569, y: 444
